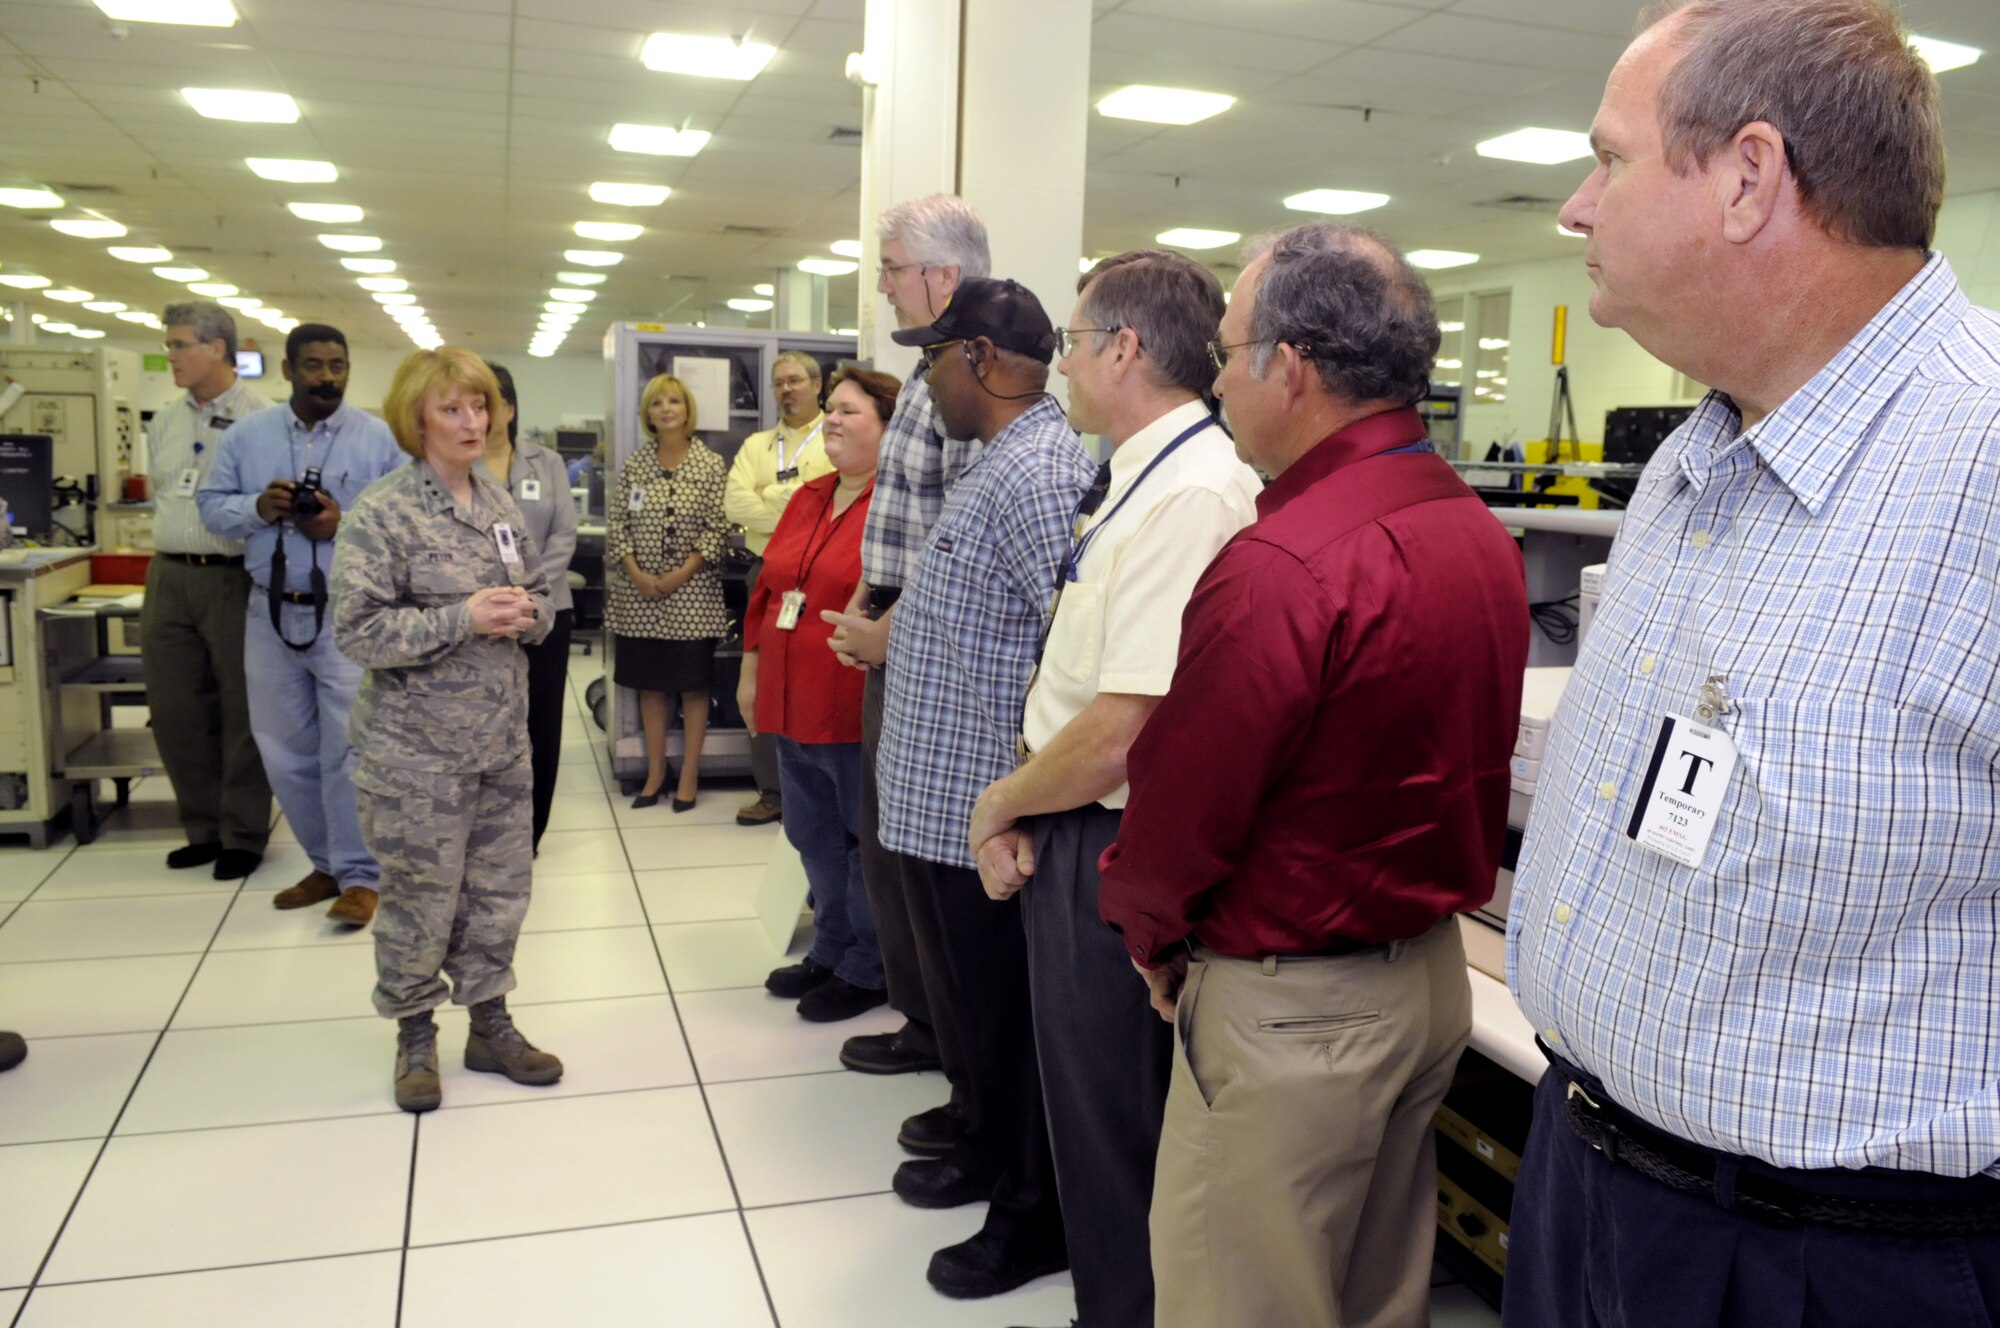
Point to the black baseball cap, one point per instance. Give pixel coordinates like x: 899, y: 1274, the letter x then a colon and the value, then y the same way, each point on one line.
x: 1005, y: 312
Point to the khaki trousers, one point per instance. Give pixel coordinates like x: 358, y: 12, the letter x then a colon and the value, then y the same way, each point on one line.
x: 1297, y: 1178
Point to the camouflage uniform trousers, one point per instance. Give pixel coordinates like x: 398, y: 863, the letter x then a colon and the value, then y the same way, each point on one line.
x: 456, y: 857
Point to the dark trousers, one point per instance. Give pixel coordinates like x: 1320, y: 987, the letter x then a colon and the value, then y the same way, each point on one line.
x: 548, y: 693
x: 1595, y: 1243
x: 764, y: 767
x: 822, y: 782
x: 883, y: 878
x: 1105, y: 1060
x: 975, y: 958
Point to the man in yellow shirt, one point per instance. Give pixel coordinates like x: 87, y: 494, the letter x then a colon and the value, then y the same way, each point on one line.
x: 769, y: 468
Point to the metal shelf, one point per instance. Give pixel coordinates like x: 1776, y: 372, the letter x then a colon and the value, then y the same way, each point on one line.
x: 114, y: 754
x: 1588, y: 470
x: 112, y: 673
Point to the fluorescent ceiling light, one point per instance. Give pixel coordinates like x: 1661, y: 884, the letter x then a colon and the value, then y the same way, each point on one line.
x: 1451, y: 364
x: 214, y: 290
x: 291, y: 170
x: 134, y: 315
x: 22, y: 281
x: 574, y: 296
x: 352, y: 244
x: 89, y: 228
x: 30, y: 198
x: 566, y: 306
x: 1943, y: 56
x: 1540, y: 147
x: 64, y: 328
x: 104, y: 306
x: 1440, y: 258
x: 88, y: 333
x: 140, y: 253
x: 393, y: 297
x: 629, y: 195
x: 1194, y: 237
x: 403, y: 312
x: 763, y: 288
x: 658, y: 140
x: 847, y: 331
x: 1172, y: 106
x: 1085, y: 264
x: 181, y: 273
x: 846, y: 248
x: 743, y: 305
x: 69, y: 295
x: 189, y: 13
x: 827, y: 267
x: 327, y: 214
x: 382, y: 283
x: 593, y: 257
x: 245, y: 107
x: 371, y: 266
x: 1335, y: 202
x: 265, y: 313
x: 1453, y: 326
x: 611, y: 232
x: 240, y: 302
x: 581, y: 278
x: 705, y: 57
x: 541, y: 352
x: 1494, y: 343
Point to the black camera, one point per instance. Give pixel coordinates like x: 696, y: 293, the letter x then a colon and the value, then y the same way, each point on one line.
x: 306, y: 494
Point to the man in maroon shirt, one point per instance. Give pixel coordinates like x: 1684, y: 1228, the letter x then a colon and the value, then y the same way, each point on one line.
x: 1321, y: 790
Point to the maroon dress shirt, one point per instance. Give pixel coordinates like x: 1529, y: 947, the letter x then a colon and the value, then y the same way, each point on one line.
x: 1331, y: 763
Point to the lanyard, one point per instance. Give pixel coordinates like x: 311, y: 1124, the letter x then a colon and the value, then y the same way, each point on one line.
x: 1083, y: 541
x: 806, y: 565
x: 799, y: 451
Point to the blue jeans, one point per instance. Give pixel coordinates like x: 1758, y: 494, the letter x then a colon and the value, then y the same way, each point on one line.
x: 821, y: 783
x: 299, y: 703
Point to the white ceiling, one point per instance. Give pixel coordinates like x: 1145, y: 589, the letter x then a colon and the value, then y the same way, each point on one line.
x: 469, y: 130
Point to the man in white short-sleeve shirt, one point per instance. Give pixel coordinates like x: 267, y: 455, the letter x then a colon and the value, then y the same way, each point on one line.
x: 1136, y: 354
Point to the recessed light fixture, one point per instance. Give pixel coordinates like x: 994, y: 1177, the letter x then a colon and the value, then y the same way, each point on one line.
x: 372, y: 266
x: 65, y: 329
x: 1943, y: 56
x: 1455, y: 325
x: 827, y: 267
x: 214, y: 290
x: 291, y: 170
x: 574, y: 296
x: 352, y: 244
x: 140, y: 253
x: 658, y: 140
x: 541, y: 352
x: 404, y: 312
x: 1494, y: 343
x: 1085, y: 264
x: 1435, y: 259
x: 745, y: 305
x: 104, y: 306
x: 189, y: 13
x: 88, y: 333
x: 30, y: 198
x: 763, y: 288
x: 327, y: 214
x: 566, y: 307
x: 611, y: 232
x: 392, y: 297
x: 629, y: 195
x: 581, y: 278
x: 69, y: 295
x: 593, y: 257
x: 1539, y: 147
x: 134, y: 315
x: 1335, y: 202
x: 182, y: 274
x: 1194, y: 237
x: 846, y: 248
x: 23, y: 281
x: 88, y: 228
x: 244, y: 107
x: 1171, y: 106
x: 240, y: 302
x: 705, y: 57
x: 382, y: 283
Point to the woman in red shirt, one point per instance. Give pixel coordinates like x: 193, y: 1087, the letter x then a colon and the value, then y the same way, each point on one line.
x: 793, y: 687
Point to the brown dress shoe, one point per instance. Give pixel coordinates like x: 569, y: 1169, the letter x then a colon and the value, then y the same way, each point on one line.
x: 311, y: 890
x: 355, y: 907
x: 761, y: 812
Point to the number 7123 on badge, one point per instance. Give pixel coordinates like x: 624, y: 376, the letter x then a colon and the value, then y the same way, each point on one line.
x: 1680, y: 799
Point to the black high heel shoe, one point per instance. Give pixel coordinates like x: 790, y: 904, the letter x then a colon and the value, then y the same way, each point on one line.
x: 646, y: 800
x: 683, y: 806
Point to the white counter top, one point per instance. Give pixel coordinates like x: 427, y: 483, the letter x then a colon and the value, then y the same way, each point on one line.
x: 1500, y: 1032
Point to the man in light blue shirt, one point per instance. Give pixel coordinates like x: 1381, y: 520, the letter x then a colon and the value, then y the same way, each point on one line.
x: 301, y: 687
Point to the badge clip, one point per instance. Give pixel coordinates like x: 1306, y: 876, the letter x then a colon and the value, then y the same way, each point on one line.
x: 1715, y: 701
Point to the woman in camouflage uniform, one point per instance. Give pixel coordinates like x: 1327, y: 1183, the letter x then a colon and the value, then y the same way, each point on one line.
x: 435, y: 585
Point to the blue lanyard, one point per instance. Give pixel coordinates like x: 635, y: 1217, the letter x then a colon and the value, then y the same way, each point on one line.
x: 1083, y: 541
x: 1421, y: 445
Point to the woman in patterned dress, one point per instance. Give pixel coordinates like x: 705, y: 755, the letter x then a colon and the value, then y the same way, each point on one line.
x: 664, y: 607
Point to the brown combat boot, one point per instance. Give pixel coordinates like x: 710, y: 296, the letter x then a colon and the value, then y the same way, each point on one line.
x: 417, y: 1063
x: 495, y: 1046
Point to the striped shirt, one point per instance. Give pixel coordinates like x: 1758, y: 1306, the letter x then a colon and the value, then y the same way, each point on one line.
x: 1823, y: 991
x: 916, y: 467
x: 966, y: 628
x: 182, y: 434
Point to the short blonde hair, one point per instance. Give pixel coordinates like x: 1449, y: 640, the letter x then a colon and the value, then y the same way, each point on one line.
x: 423, y: 372
x: 658, y: 388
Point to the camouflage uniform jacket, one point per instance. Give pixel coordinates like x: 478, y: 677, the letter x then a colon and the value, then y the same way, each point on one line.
x: 436, y: 697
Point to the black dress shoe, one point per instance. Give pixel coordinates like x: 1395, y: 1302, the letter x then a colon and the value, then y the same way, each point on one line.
x: 988, y: 1266
x: 884, y: 1053
x: 194, y: 855
x: 795, y: 980
x: 940, y: 1182
x: 13, y: 1050
x: 645, y: 800
x: 932, y: 1133
x: 683, y: 804
x: 233, y: 864
x: 837, y: 999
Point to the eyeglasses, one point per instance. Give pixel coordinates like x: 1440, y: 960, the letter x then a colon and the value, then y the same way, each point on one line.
x: 929, y: 354
x: 1218, y: 354
x: 173, y: 346
x: 887, y: 270
x: 1066, y: 336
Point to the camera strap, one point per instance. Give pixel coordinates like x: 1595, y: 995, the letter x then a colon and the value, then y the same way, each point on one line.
x: 275, y: 592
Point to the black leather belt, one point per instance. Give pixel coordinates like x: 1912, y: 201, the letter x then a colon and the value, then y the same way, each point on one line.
x: 290, y: 596
x: 882, y: 598
x: 1736, y: 1184
x: 205, y: 559
x: 1333, y: 949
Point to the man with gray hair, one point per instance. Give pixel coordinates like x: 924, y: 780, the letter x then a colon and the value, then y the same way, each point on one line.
x: 1135, y: 351
x: 197, y: 592
x: 1758, y: 903
x: 1321, y: 790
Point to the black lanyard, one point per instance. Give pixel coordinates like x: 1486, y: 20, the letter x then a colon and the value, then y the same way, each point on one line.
x: 1069, y: 572
x: 806, y: 565
x: 276, y: 592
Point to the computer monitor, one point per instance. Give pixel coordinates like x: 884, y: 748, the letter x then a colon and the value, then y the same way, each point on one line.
x: 27, y: 481
x: 573, y: 443
x: 249, y: 364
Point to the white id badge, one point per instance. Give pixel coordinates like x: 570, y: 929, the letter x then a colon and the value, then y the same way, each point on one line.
x: 185, y: 486
x: 531, y: 491
x: 510, y: 552
x: 790, y: 605
x: 1681, y: 797
x: 637, y: 502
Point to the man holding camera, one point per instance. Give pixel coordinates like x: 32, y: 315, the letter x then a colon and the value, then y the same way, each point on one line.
x: 280, y: 485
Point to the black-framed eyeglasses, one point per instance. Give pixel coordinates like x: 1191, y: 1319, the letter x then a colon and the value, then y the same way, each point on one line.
x: 1066, y: 336
x: 886, y: 270
x: 929, y: 354
x: 1218, y: 354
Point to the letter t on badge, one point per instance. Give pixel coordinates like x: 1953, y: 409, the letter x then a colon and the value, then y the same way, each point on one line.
x: 1681, y: 798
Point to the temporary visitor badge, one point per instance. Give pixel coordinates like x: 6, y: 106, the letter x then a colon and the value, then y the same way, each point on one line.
x: 790, y: 605
x: 531, y: 491
x: 1680, y: 800
x: 186, y: 485
x: 503, y: 535
x: 637, y: 502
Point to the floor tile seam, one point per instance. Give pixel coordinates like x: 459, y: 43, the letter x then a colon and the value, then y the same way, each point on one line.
x: 342, y: 1018
x: 85, y: 959
x: 409, y: 1218
x: 212, y: 1268
x: 322, y: 943
x: 61, y: 862
x: 420, y: 1246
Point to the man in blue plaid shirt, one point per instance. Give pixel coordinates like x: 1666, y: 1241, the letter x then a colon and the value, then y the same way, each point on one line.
x: 1757, y: 913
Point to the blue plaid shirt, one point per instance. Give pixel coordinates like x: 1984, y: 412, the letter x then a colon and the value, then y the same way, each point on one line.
x: 1825, y: 990
x: 916, y: 467
x: 966, y: 626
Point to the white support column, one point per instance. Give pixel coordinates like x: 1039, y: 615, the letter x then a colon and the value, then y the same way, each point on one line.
x: 801, y: 301
x: 21, y: 331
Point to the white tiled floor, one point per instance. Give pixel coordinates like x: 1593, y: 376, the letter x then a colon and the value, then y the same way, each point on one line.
x: 203, y: 1132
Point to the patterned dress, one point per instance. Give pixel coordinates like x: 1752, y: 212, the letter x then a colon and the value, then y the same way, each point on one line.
x: 661, y: 516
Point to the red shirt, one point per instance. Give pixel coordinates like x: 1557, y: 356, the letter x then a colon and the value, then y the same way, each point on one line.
x: 1331, y: 762
x: 803, y: 692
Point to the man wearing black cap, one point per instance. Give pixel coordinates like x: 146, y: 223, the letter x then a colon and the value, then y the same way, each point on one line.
x: 958, y: 669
